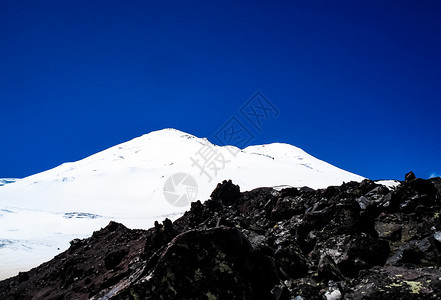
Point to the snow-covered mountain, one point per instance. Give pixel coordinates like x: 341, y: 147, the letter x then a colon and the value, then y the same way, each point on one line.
x: 40, y: 214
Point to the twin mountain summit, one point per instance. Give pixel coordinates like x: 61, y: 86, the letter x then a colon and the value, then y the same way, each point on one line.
x: 285, y: 225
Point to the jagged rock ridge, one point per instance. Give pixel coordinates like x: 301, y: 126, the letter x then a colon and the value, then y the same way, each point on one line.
x: 354, y: 241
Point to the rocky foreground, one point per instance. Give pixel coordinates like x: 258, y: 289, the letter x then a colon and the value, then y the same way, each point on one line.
x: 354, y: 241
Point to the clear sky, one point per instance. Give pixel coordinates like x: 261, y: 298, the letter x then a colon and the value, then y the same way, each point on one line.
x: 356, y: 83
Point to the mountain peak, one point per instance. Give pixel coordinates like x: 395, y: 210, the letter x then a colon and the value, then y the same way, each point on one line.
x: 126, y: 183
x: 168, y: 131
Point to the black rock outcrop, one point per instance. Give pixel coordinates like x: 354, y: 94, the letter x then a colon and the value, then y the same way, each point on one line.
x: 354, y: 241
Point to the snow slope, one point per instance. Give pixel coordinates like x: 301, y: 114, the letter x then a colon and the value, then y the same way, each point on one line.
x: 40, y: 214
x: 390, y: 184
x: 4, y: 181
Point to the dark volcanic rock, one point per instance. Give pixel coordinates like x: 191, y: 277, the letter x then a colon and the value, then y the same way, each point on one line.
x: 354, y: 241
x: 226, y: 192
x: 409, y: 176
x: 86, y: 268
x: 397, y: 283
x: 216, y: 263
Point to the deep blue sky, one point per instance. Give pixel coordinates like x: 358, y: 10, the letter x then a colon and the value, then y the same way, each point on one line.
x: 357, y: 83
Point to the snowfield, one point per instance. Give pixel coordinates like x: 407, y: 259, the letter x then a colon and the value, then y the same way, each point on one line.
x: 4, y: 181
x: 40, y: 214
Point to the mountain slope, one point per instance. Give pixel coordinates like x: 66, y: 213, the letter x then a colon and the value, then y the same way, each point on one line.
x: 4, y: 181
x: 354, y: 241
x: 42, y: 213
